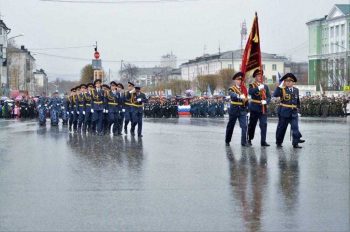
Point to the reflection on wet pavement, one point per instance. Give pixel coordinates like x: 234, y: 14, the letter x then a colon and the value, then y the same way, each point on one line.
x: 178, y: 177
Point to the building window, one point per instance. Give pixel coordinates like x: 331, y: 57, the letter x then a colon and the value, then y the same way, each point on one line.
x: 336, y: 31
x: 1, y: 54
x: 274, y: 78
x: 332, y: 32
x: 274, y: 67
x: 0, y: 30
x: 342, y: 29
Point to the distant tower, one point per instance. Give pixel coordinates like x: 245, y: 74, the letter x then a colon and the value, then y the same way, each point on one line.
x: 243, y: 34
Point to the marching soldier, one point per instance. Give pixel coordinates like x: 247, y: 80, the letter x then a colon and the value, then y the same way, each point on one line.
x: 105, y: 120
x: 139, y: 99
x: 129, y: 105
x: 288, y: 110
x: 121, y: 106
x: 72, y: 123
x: 112, y: 98
x: 87, y: 126
x: 65, y: 110
x: 55, y: 108
x: 81, y: 106
x: 98, y: 106
x: 238, y: 110
x: 258, y: 108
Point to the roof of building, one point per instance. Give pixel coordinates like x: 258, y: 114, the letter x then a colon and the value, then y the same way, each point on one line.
x: 176, y: 71
x: 236, y: 54
x: 153, y: 71
x: 4, y: 25
x: 316, y: 20
x: 40, y: 71
x: 344, y: 8
x: 20, y: 50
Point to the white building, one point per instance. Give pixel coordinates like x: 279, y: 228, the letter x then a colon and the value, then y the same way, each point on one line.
x: 152, y: 76
x: 329, y: 45
x: 40, y: 82
x: 168, y: 60
x: 4, y: 31
x: 213, y: 64
x: 20, y: 70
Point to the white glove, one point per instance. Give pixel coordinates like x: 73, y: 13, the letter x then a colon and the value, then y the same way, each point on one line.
x: 67, y: 112
x: 139, y: 100
x: 228, y: 97
x: 106, y: 111
x: 123, y: 110
x: 281, y: 85
x: 263, y: 102
x: 242, y: 96
x: 39, y: 106
x: 77, y: 112
x: 84, y: 112
x: 260, y: 87
x: 62, y: 107
x: 92, y: 110
x: 248, y: 114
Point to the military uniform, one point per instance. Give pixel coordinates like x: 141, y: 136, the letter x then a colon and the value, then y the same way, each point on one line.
x: 55, y: 104
x: 238, y: 110
x: 139, y: 100
x: 258, y: 111
x: 288, y: 112
x: 98, y: 100
x: 80, y: 110
x: 88, y: 126
x: 112, y: 98
x: 129, y: 107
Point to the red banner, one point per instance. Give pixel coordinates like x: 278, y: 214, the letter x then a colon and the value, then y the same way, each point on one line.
x: 251, y: 59
x: 252, y: 55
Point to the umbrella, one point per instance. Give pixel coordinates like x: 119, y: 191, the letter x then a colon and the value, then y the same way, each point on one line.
x: 3, y: 98
x: 18, y: 98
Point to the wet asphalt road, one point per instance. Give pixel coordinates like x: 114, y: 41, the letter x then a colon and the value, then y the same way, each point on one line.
x: 179, y: 177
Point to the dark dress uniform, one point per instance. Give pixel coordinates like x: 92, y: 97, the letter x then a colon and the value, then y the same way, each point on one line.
x: 238, y: 110
x: 80, y: 110
x: 139, y: 99
x: 288, y: 113
x: 87, y: 126
x: 72, y: 113
x: 256, y: 112
x: 98, y: 106
x: 113, y: 111
x: 129, y: 109
x: 121, y: 112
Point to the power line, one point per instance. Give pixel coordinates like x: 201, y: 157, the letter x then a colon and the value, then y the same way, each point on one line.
x: 117, y: 2
x: 60, y: 48
x: 106, y: 61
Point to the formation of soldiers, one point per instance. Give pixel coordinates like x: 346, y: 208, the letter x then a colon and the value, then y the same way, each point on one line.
x: 207, y: 107
x: 96, y: 108
x: 316, y: 106
x: 157, y: 107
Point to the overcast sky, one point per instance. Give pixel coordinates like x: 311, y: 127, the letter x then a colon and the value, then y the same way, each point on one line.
x: 143, y: 32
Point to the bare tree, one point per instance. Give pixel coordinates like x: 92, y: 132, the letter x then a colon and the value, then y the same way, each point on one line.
x: 129, y: 72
